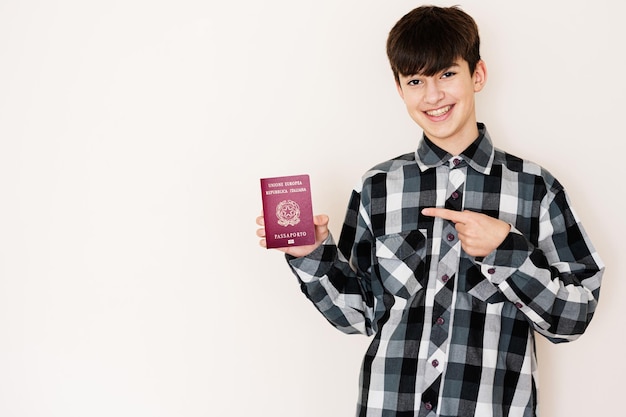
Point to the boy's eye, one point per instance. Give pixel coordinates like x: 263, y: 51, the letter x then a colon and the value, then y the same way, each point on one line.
x: 448, y: 74
x: 414, y: 82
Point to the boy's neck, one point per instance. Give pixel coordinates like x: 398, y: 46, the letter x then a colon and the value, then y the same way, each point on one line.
x: 456, y: 145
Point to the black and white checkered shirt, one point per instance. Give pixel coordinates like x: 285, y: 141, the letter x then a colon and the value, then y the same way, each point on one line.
x: 454, y: 334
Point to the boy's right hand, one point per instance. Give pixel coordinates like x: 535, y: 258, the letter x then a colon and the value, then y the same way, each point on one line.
x: 321, y: 233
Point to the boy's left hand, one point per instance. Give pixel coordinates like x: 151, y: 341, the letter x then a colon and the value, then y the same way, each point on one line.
x: 479, y: 234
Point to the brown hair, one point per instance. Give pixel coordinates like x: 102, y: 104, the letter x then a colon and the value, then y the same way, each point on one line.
x: 429, y: 39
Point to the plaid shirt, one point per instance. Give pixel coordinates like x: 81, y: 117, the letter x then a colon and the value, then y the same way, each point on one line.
x: 454, y: 334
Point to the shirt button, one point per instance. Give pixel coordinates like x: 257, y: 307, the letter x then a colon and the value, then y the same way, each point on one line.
x: 435, y: 363
x: 491, y: 271
x: 450, y: 237
x: 445, y: 278
x: 519, y: 305
x: 456, y: 161
x: 455, y: 195
x: 428, y: 406
x: 440, y: 321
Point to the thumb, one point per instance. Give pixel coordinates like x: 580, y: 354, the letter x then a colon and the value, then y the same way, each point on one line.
x: 320, y: 220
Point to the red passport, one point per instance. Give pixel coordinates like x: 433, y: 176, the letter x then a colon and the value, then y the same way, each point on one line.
x: 288, y: 211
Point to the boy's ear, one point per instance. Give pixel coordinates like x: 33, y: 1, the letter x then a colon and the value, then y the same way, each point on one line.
x: 399, y: 88
x: 480, y: 75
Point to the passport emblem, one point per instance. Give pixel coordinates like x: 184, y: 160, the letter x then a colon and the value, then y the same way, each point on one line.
x: 288, y: 213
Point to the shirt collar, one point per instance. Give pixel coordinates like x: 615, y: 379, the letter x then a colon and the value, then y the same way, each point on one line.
x: 479, y: 155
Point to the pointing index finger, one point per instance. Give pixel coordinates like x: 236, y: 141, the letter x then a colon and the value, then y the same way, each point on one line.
x: 453, y: 216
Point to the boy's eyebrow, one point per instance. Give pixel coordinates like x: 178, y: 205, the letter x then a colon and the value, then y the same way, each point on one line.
x: 444, y: 69
x: 453, y: 65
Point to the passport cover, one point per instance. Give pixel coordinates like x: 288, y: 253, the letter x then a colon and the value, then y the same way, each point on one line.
x: 288, y: 211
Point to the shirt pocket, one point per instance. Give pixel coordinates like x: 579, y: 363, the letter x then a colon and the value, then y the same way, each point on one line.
x: 400, y: 262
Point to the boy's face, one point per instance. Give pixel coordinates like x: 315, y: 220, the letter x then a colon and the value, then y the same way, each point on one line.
x: 443, y: 104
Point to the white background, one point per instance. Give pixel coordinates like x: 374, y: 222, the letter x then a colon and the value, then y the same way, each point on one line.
x: 132, y: 138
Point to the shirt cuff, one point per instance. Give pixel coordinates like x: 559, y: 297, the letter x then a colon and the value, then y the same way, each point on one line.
x: 507, y: 258
x: 317, y: 263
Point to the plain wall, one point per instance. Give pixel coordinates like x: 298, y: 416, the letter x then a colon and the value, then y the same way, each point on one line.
x: 132, y: 138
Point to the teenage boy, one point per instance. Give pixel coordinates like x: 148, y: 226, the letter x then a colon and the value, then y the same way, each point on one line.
x: 454, y: 255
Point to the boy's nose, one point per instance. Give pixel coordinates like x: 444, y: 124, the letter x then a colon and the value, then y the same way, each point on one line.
x: 433, y: 93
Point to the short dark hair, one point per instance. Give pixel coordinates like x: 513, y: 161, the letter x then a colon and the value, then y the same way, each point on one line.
x: 430, y: 39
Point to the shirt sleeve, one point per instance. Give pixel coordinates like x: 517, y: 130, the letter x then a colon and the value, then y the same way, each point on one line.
x: 336, y: 278
x: 555, y: 283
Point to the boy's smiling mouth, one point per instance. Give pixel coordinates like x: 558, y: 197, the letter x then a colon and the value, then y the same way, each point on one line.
x: 439, y: 112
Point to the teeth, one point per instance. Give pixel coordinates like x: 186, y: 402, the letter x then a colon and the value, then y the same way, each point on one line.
x: 438, y: 112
